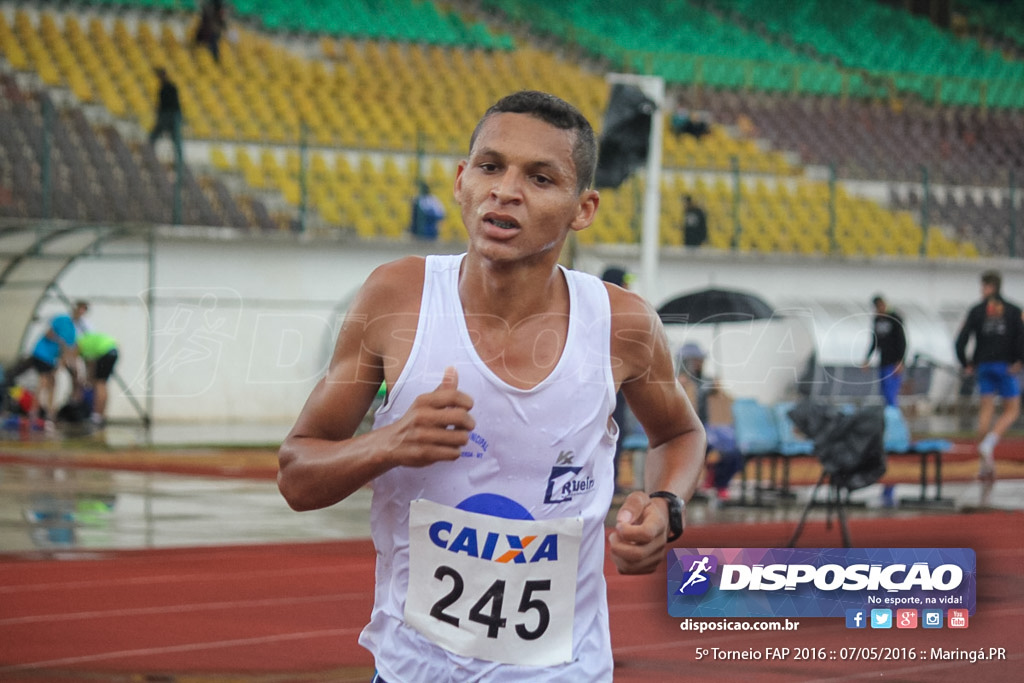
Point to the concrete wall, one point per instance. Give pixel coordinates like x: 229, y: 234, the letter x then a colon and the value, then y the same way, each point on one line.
x: 243, y: 326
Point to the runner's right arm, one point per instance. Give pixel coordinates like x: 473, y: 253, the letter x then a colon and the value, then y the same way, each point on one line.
x: 320, y: 461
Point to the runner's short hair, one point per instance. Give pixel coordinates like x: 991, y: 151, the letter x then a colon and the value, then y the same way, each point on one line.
x: 560, y: 114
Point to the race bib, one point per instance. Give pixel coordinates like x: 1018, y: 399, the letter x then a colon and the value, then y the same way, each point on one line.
x: 503, y: 590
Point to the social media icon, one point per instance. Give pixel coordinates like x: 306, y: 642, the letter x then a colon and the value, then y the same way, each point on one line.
x: 906, y: 618
x: 881, y: 618
x: 931, y: 618
x: 856, y: 618
x: 958, y: 618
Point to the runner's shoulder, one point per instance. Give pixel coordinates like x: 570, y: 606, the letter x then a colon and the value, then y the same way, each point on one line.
x: 394, y: 287
x: 630, y: 311
x: 636, y: 328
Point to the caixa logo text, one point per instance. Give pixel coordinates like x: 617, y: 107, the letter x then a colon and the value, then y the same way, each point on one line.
x: 492, y: 546
x: 829, y: 577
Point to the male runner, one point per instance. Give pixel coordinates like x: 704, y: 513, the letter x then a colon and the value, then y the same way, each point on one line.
x: 491, y: 458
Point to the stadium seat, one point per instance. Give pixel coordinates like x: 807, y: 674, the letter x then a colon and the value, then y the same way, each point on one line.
x: 334, y: 96
x: 898, y: 442
x: 757, y: 438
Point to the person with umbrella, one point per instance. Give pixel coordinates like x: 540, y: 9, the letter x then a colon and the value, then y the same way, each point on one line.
x: 713, y: 405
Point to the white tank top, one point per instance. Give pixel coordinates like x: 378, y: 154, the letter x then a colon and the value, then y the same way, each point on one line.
x: 543, y: 453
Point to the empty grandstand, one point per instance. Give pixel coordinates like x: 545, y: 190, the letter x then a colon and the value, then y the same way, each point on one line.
x: 322, y: 120
x: 828, y: 133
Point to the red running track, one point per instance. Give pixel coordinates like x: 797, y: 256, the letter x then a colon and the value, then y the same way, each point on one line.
x: 293, y: 613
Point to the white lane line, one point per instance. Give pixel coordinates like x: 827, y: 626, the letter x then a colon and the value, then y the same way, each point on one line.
x: 183, y: 608
x: 186, y: 647
x: 174, y: 578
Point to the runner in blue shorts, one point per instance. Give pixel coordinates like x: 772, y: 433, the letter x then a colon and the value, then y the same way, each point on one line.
x: 998, y: 332
x: 889, y: 338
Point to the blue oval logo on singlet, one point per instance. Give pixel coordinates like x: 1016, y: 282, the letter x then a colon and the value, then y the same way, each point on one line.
x: 494, y: 505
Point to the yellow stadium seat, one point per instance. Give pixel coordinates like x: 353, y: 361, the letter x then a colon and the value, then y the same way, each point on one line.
x: 252, y: 173
x: 355, y: 95
x: 291, y: 191
x: 220, y: 160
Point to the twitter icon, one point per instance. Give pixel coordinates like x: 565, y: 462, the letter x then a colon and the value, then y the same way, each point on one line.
x: 881, y: 618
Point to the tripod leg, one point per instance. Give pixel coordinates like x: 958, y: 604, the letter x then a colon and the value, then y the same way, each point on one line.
x: 743, y: 480
x: 830, y: 508
x: 757, y: 481
x: 841, y: 511
x: 807, y: 509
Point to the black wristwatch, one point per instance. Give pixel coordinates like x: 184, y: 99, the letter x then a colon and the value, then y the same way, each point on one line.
x: 675, y: 513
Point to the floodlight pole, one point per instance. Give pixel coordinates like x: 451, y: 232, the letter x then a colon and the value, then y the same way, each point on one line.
x: 654, y: 88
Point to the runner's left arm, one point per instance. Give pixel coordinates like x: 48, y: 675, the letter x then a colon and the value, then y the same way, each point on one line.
x: 677, y: 443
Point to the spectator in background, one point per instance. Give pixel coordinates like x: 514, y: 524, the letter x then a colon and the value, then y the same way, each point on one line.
x: 211, y: 27
x: 427, y: 213
x: 695, y: 223
x: 998, y: 332
x: 168, y: 111
x: 99, y: 351
x: 889, y: 338
x: 687, y: 122
x: 714, y: 408
x: 57, y: 343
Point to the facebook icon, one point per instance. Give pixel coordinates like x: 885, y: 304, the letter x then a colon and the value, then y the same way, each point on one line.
x: 856, y: 618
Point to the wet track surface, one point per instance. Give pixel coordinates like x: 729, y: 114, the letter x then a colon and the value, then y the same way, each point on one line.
x: 155, y: 490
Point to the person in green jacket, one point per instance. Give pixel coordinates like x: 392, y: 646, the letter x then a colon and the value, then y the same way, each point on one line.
x: 99, y: 351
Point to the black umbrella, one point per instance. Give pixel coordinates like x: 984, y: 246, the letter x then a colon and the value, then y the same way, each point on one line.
x: 713, y: 306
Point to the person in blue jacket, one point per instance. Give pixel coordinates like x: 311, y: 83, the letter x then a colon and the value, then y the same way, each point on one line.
x: 427, y: 213
x: 47, y: 354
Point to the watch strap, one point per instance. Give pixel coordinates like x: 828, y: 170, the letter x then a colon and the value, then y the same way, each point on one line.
x: 675, y: 513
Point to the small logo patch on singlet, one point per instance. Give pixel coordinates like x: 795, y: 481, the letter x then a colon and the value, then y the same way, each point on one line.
x: 476, y: 447
x: 565, y: 481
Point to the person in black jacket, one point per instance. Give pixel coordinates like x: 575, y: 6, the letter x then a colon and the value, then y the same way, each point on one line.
x: 889, y: 338
x: 998, y: 332
x: 695, y: 223
x: 168, y: 110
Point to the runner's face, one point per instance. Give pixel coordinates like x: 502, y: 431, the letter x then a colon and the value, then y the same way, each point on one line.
x: 517, y: 189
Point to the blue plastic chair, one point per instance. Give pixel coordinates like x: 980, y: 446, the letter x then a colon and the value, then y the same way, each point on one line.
x: 898, y: 441
x: 757, y: 438
x: 791, y: 445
